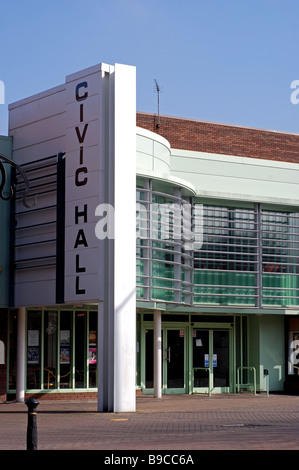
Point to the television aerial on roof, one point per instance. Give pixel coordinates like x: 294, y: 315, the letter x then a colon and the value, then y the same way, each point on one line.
x: 158, y: 90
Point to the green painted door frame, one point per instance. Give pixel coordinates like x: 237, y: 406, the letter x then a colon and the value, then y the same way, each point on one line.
x: 175, y: 340
x: 178, y: 357
x: 211, y: 359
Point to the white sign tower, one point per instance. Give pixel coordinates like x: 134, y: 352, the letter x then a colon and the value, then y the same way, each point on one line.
x: 100, y: 222
x: 77, y: 245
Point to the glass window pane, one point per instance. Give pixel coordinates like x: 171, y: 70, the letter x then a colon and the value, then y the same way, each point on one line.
x: 50, y: 350
x: 80, y: 350
x: 175, y: 359
x: 221, y: 358
x: 92, y: 361
x: 201, y: 358
x: 65, y: 352
x: 149, y: 362
x: 225, y: 266
x: 34, y: 350
x: 12, y: 350
x: 280, y: 258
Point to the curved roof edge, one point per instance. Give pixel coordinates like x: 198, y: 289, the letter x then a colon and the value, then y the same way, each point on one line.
x: 186, y: 186
x: 152, y: 135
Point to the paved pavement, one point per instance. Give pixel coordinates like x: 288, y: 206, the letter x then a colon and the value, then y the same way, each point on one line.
x: 178, y: 423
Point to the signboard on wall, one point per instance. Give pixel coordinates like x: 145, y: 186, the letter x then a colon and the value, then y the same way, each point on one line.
x: 85, y: 115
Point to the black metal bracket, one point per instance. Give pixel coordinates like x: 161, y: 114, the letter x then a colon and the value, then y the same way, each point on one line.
x: 12, y: 186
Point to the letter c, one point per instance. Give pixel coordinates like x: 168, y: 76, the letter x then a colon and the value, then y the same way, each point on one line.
x: 84, y: 180
x: 83, y: 97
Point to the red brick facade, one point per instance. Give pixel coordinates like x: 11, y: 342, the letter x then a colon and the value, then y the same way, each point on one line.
x: 209, y: 137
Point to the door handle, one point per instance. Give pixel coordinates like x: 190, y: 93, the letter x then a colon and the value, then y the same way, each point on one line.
x: 168, y: 354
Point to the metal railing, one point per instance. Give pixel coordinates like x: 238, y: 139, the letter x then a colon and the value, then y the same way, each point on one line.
x: 238, y: 378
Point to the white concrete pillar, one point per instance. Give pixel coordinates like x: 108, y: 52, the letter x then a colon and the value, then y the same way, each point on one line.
x: 124, y: 288
x: 117, y: 313
x: 21, y: 335
x: 157, y: 354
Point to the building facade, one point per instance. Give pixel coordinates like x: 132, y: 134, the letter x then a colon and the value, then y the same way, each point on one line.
x: 235, y: 311
x: 216, y: 265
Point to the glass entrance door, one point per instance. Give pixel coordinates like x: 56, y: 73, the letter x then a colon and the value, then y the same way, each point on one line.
x: 221, y: 359
x: 211, y: 361
x: 174, y: 367
x: 194, y: 359
x: 173, y: 361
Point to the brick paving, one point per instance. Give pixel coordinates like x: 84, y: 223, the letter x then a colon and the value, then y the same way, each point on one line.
x: 178, y: 423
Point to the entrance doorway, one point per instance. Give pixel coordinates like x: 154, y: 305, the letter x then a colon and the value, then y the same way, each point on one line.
x: 173, y: 360
x: 211, y: 360
x: 195, y: 359
x: 174, y: 364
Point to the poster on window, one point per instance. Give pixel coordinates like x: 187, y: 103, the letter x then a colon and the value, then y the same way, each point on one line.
x: 33, y: 337
x: 92, y: 337
x: 65, y: 356
x: 33, y: 356
x: 214, y: 360
x: 65, y: 337
x: 92, y: 355
x: 206, y: 358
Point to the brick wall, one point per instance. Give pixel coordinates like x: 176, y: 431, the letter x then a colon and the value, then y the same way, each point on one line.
x: 3, y: 370
x: 203, y: 136
x: 62, y: 396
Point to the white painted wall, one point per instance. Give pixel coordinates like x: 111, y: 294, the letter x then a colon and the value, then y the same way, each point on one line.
x: 152, y: 152
x: 233, y: 177
x: 37, y: 125
x: 272, y: 351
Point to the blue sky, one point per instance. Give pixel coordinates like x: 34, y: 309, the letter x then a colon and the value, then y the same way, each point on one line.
x: 228, y: 61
